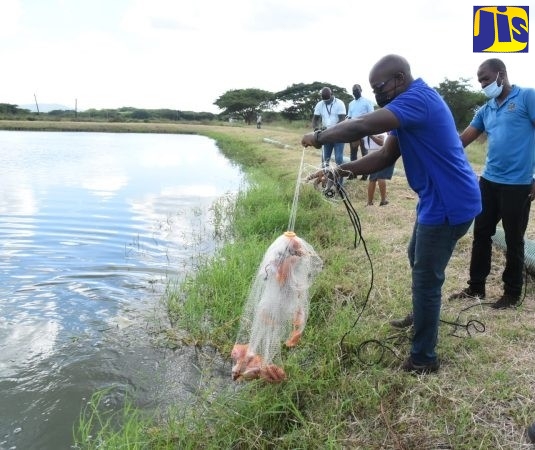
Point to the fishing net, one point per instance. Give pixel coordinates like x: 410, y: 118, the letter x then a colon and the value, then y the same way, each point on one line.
x: 276, y: 309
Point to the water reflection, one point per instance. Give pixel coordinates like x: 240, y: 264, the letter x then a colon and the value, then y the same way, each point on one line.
x: 92, y: 227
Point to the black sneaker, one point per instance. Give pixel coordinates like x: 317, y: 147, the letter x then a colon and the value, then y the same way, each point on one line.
x: 506, y: 301
x: 410, y: 366
x: 406, y: 322
x: 468, y: 293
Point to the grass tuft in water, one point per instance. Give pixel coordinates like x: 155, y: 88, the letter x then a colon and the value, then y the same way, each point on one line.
x: 100, y: 427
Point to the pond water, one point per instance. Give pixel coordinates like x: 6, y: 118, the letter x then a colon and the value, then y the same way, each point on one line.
x: 93, y: 227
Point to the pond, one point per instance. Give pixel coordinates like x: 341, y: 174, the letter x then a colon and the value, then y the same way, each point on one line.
x: 93, y: 228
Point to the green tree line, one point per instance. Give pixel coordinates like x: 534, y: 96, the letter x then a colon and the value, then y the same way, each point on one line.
x: 295, y: 103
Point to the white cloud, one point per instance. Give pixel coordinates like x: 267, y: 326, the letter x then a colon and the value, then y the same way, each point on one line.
x: 148, y: 16
x: 184, y: 55
x: 10, y: 15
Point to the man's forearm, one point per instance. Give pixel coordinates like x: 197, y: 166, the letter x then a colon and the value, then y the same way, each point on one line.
x: 345, y: 131
x: 373, y: 162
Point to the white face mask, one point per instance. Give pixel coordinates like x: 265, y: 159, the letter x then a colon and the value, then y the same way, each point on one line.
x: 493, y: 90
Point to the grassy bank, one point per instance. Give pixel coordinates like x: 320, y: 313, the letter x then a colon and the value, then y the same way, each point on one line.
x: 355, y: 396
x: 338, y: 397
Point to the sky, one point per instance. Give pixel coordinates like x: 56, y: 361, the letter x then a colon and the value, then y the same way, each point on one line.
x: 185, y: 54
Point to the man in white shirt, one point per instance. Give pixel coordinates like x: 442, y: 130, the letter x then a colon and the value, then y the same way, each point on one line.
x: 329, y: 111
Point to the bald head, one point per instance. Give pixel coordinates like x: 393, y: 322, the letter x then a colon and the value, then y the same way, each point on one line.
x: 389, y: 77
x: 390, y: 65
x: 326, y: 93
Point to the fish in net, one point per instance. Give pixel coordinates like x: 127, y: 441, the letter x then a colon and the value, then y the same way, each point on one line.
x: 276, y: 309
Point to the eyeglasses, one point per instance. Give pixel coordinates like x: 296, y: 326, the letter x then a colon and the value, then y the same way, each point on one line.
x: 378, y: 88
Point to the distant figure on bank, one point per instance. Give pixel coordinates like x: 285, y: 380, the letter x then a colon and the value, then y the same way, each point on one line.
x: 259, y: 121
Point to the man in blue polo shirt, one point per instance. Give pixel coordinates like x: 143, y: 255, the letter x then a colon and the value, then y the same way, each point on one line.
x: 506, y: 183
x: 423, y: 133
x: 357, y: 107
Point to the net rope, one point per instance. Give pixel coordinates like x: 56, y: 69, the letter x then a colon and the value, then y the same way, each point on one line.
x: 293, y: 211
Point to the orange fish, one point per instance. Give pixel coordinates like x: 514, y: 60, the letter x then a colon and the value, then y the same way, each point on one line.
x: 249, y: 366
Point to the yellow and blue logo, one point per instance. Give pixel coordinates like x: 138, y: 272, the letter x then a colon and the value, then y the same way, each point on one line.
x: 501, y: 29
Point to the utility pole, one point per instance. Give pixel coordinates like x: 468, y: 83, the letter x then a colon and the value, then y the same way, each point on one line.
x: 75, y: 107
x: 36, y: 105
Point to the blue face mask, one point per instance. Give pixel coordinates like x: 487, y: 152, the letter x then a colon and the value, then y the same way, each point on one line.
x: 493, y: 90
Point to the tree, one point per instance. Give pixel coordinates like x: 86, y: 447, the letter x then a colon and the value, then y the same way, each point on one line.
x: 140, y: 114
x: 8, y: 108
x: 302, y: 98
x: 462, y: 101
x: 245, y: 103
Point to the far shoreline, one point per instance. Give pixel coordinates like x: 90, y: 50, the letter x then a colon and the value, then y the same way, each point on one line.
x: 108, y: 127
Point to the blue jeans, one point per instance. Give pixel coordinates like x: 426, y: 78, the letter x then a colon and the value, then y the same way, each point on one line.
x: 430, y: 250
x: 328, y: 151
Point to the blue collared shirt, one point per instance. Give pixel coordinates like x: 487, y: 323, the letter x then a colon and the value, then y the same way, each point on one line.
x: 358, y: 107
x: 511, y: 137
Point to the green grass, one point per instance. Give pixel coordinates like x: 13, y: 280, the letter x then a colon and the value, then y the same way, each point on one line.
x: 124, y: 429
x: 332, y: 399
x: 481, y: 398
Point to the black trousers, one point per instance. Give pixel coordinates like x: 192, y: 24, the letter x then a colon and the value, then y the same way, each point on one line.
x: 511, y: 205
x: 354, y: 149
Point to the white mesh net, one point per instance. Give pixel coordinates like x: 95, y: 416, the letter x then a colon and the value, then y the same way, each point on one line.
x: 276, y: 309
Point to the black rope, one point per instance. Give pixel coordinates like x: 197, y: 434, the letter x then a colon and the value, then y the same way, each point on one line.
x: 472, y: 324
x: 477, y: 325
x: 392, y: 343
x: 372, y: 351
x: 330, y: 191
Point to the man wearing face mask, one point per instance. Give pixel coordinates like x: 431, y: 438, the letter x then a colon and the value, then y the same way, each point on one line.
x: 329, y: 110
x: 356, y: 108
x: 423, y: 133
x: 506, y: 183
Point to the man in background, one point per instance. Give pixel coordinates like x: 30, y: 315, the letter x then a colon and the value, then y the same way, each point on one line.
x: 329, y: 111
x: 506, y: 183
x: 356, y: 108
